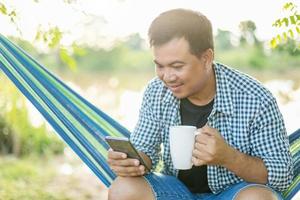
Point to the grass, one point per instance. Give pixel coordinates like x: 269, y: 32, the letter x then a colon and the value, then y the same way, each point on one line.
x: 26, y: 179
x: 41, y: 178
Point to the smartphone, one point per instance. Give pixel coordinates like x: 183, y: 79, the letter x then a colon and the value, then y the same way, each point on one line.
x: 123, y: 144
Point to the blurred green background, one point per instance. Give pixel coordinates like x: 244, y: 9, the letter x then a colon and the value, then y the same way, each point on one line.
x: 36, y: 164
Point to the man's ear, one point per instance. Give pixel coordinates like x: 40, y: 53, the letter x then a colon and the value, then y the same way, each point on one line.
x: 208, y: 56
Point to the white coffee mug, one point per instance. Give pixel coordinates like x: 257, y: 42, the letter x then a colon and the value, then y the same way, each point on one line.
x: 182, y: 139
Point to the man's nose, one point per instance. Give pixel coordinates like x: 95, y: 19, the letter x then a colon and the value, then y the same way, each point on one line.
x: 169, y: 77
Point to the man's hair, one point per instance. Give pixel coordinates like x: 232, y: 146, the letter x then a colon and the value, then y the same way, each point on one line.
x: 177, y: 23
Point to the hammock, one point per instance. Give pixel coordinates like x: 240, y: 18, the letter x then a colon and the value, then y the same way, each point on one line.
x: 294, y: 139
x: 80, y: 124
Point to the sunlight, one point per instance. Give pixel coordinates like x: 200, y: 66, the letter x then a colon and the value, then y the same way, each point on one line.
x: 103, y: 21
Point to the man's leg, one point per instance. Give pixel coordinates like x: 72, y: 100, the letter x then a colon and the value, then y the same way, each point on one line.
x: 244, y: 191
x: 152, y: 186
x: 255, y: 192
x: 130, y: 188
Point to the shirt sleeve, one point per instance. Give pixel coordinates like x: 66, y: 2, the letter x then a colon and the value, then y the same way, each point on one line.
x: 146, y: 135
x: 269, y: 141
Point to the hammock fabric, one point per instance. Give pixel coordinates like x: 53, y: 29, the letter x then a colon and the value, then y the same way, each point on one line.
x: 294, y: 140
x: 80, y: 124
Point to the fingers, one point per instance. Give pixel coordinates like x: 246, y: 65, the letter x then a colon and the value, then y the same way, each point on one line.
x: 207, y: 128
x: 206, y: 144
x: 201, y: 153
x: 207, y: 134
x: 123, y: 166
x: 129, y: 175
x: 119, y: 158
x: 128, y: 162
x: 197, y: 158
x: 129, y: 171
x: 197, y: 162
x: 200, y: 147
x: 201, y: 158
x: 116, y: 155
x: 202, y: 138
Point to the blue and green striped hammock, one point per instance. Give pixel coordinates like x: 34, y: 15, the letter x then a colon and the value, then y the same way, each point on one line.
x: 80, y: 124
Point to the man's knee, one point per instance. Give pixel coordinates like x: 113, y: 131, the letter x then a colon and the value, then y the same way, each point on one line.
x: 130, y: 188
x: 256, y: 193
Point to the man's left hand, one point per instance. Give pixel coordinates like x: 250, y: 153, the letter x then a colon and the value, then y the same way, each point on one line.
x: 210, y: 148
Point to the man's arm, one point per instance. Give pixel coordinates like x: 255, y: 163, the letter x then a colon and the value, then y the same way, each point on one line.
x: 269, y: 160
x: 270, y: 143
x: 249, y: 168
x: 211, y: 149
x: 146, y: 135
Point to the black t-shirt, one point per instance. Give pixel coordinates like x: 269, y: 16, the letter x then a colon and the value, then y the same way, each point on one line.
x: 196, y: 177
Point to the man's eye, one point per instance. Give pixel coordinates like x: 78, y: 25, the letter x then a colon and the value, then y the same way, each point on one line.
x: 177, y: 66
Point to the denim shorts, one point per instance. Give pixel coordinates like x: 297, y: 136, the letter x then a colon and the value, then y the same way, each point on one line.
x: 167, y: 187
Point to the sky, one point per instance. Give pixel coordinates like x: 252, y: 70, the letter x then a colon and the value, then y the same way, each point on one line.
x: 102, y: 21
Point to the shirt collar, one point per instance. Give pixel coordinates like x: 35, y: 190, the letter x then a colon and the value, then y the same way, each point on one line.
x: 223, y: 100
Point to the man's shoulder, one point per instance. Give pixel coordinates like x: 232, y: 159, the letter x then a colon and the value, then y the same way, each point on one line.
x: 242, y: 83
x: 155, y: 88
x: 157, y: 91
x: 155, y: 85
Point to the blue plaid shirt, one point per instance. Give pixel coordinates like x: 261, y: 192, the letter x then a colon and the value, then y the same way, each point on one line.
x: 244, y: 112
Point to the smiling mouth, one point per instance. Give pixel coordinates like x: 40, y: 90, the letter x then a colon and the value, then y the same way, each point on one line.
x: 174, y: 87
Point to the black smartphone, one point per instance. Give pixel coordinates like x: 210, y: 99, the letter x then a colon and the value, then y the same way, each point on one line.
x: 123, y: 144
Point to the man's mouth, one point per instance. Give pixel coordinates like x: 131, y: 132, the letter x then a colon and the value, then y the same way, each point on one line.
x: 174, y: 88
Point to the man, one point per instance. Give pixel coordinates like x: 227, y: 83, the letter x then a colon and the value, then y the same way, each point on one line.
x: 242, y: 151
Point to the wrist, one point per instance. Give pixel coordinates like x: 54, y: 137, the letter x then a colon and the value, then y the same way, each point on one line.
x: 231, y: 158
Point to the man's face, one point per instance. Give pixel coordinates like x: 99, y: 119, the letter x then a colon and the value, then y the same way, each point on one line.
x: 183, y: 73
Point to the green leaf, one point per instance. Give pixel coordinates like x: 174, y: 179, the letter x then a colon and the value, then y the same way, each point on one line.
x: 45, y: 39
x: 278, y: 38
x: 273, y: 43
x: 297, y: 18
x: 38, y: 35
x: 298, y: 29
x: 277, y: 23
x: 66, y: 58
x: 286, y: 6
x: 290, y: 31
x: 289, y: 6
x: 12, y: 14
x: 55, y: 34
x: 285, y: 21
x: 3, y: 9
x: 292, y: 19
x: 285, y: 36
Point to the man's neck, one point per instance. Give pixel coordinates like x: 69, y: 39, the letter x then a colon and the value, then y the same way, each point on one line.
x: 207, y: 94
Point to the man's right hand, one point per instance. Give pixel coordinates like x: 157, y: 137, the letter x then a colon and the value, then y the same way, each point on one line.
x: 123, y: 166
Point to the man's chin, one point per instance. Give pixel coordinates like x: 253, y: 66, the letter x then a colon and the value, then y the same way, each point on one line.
x: 179, y: 95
